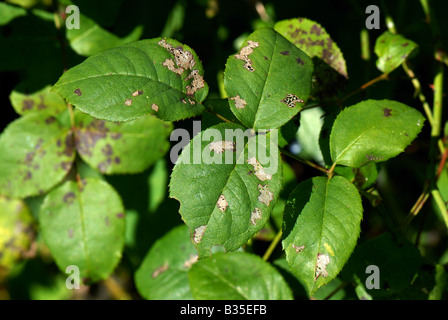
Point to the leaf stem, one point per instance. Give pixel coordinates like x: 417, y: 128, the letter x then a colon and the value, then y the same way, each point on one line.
x: 272, y: 246
x: 383, y: 76
x: 304, y: 161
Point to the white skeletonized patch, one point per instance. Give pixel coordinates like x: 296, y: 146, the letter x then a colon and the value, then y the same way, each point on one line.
x: 291, y: 100
x: 222, y: 203
x: 196, y: 84
x: 170, y: 65
x: 255, y: 215
x: 220, y: 146
x: 259, y: 170
x: 244, y: 54
x: 155, y: 107
x: 265, y: 195
x: 239, y: 103
x: 321, y: 265
x: 198, y: 233
x: 192, y: 260
x: 137, y: 93
x: 128, y: 102
x: 298, y: 249
x: 160, y: 270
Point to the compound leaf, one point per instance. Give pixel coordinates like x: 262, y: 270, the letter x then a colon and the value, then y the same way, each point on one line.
x: 158, y: 76
x: 237, y: 276
x: 227, y: 185
x: 268, y: 80
x: 373, y: 131
x: 36, y: 152
x: 128, y: 147
x: 83, y: 225
x: 320, y: 229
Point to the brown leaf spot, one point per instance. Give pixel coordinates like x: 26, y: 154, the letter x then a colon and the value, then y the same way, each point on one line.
x: 86, y: 138
x: 69, y: 198
x: 107, y: 150
x: 78, y: 92
x: 70, y: 233
x: 120, y: 215
x: 50, y: 120
x: 27, y: 104
x: 300, y: 61
x: 387, y: 112
x: 285, y: 53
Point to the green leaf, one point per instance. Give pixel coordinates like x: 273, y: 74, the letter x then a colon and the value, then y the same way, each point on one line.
x: 392, y: 50
x: 159, y: 76
x: 237, y: 276
x: 83, y: 224
x: 163, y: 274
x: 227, y: 188
x: 268, y: 80
x: 320, y: 230
x: 90, y: 38
x: 312, y: 38
x: 36, y: 152
x: 16, y: 232
x: 36, y: 101
x: 373, y: 131
x: 9, y: 13
x: 398, y: 262
x: 128, y: 147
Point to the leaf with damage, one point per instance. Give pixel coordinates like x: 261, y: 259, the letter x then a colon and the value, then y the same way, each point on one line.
x: 392, y: 50
x: 24, y: 101
x: 163, y: 274
x: 312, y: 38
x: 237, y: 276
x: 158, y: 76
x: 226, y: 189
x: 268, y: 81
x: 16, y: 232
x: 83, y: 224
x: 128, y: 147
x: 36, y: 153
x: 373, y: 131
x: 321, y: 228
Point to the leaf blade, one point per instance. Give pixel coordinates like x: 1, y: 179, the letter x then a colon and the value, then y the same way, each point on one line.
x: 359, y: 132
x: 268, y: 80
x: 126, y: 82
x: 321, y: 226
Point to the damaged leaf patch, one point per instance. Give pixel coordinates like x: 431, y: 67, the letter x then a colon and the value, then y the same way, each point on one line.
x: 128, y: 147
x: 245, y: 53
x: 124, y: 83
x: 36, y: 152
x: 269, y: 78
x: 321, y: 227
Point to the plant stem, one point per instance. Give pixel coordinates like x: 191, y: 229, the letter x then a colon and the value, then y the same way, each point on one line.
x: 115, y: 289
x: 383, y: 76
x: 272, y: 246
x: 304, y: 161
